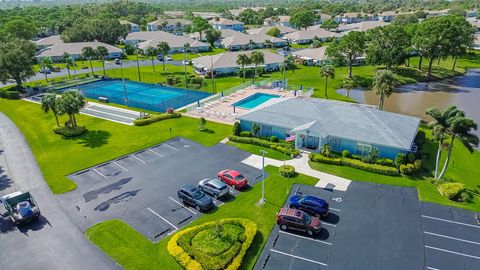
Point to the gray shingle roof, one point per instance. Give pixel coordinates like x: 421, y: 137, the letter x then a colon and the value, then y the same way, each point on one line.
x: 152, y: 38
x: 229, y: 59
x: 361, y: 123
x: 74, y: 48
x: 311, y: 34
x: 362, y: 26
x: 265, y: 29
x: 49, y: 41
x: 312, y: 53
x: 244, y: 39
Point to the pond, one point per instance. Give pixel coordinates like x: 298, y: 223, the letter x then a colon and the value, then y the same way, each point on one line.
x: 414, y: 99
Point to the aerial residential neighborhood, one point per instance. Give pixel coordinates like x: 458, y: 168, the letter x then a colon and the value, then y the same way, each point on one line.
x: 240, y: 134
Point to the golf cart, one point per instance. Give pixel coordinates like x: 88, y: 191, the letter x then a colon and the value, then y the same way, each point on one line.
x: 21, y: 207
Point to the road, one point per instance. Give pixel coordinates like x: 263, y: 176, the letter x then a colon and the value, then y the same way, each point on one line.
x: 52, y: 242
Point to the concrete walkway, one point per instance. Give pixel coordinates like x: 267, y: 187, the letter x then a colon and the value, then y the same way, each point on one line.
x: 301, y: 166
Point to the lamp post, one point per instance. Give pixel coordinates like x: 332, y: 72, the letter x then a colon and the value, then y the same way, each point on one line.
x: 262, y: 200
x: 75, y: 73
x: 138, y: 64
x: 124, y: 85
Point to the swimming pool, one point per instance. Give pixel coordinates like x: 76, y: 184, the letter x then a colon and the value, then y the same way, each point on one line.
x: 146, y: 96
x: 254, y: 100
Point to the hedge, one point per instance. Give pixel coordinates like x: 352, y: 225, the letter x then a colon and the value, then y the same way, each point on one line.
x: 69, y: 132
x: 152, y: 118
x: 265, y: 143
x: 451, y: 190
x: 9, y: 94
x: 187, y: 262
x: 287, y: 170
x: 354, y: 163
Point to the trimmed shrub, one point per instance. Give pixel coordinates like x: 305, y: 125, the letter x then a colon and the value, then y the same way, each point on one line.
x: 399, y: 160
x: 281, y: 147
x: 245, y: 134
x: 465, y: 196
x: 410, y: 158
x: 69, y: 132
x: 9, y: 94
x: 323, y: 159
x: 407, y: 169
x: 152, y: 118
x: 180, y: 247
x: 273, y: 139
x: 375, y: 168
x: 385, y: 162
x: 287, y: 170
x: 325, y: 151
x: 346, y: 153
x: 417, y: 164
x: 237, y: 129
x: 451, y: 190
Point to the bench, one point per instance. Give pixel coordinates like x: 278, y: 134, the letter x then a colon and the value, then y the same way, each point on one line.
x: 103, y: 99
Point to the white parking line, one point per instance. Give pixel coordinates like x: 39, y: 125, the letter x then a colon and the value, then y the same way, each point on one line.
x: 334, y: 209
x: 303, y: 237
x: 453, y: 238
x: 170, y: 147
x: 95, y: 170
x: 453, y: 252
x: 431, y: 268
x: 451, y: 221
x: 176, y: 228
x: 298, y: 257
x: 156, y: 153
x: 175, y: 201
x: 120, y: 166
x: 139, y: 159
x: 329, y: 224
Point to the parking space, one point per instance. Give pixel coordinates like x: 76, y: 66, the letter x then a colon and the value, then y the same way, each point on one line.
x: 141, y: 188
x: 378, y: 227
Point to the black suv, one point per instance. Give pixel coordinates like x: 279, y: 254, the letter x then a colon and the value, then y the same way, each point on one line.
x: 192, y: 195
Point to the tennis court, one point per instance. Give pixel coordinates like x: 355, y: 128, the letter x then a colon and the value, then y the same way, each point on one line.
x: 141, y: 95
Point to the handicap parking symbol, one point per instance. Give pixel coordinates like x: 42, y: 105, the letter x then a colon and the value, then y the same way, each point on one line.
x: 337, y: 199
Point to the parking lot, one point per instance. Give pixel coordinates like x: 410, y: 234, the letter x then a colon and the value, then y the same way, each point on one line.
x: 141, y: 188
x: 378, y: 227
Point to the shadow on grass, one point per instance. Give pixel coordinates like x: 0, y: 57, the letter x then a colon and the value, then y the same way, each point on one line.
x: 94, y: 138
x: 255, y: 248
x: 362, y: 81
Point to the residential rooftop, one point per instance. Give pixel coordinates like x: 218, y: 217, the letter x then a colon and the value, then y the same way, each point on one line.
x: 229, y: 59
x: 264, y: 30
x: 311, y: 34
x: 153, y: 38
x: 318, y: 54
x: 361, y: 26
x: 244, y: 39
x: 49, y: 41
x: 74, y: 48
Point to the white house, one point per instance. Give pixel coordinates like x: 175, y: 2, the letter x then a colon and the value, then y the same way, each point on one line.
x: 226, y: 63
x: 133, y: 27
x: 151, y: 39
x: 361, y: 26
x: 277, y: 20
x: 56, y: 52
x: 48, y: 41
x: 312, y: 56
x: 264, y: 30
x: 254, y: 41
x: 354, y: 17
x: 223, y: 23
x: 307, y: 36
x: 168, y: 25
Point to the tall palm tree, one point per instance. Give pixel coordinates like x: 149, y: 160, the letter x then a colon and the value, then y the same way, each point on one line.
x: 327, y: 71
x: 89, y: 53
x: 152, y: 53
x: 243, y: 60
x: 102, y: 52
x: 348, y: 85
x: 70, y: 103
x: 383, y: 84
x: 163, y: 48
x: 67, y: 59
x: 46, y: 62
x: 439, y: 125
x: 257, y: 59
x: 186, y: 49
x: 50, y: 102
x: 268, y: 43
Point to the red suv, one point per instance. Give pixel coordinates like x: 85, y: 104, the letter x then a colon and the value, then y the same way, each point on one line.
x: 294, y: 219
x: 233, y: 178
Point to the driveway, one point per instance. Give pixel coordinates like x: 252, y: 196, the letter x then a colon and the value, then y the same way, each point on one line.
x: 52, y: 242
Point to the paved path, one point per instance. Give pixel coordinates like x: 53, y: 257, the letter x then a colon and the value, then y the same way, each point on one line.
x: 53, y: 241
x: 301, y: 166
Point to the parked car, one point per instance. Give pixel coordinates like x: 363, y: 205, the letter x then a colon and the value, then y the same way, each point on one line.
x: 294, y: 219
x: 186, y: 62
x: 310, y: 204
x: 45, y: 70
x: 56, y: 69
x: 168, y: 58
x: 160, y: 57
x: 117, y: 61
x: 214, y: 187
x: 233, y: 178
x: 20, y: 206
x: 192, y: 195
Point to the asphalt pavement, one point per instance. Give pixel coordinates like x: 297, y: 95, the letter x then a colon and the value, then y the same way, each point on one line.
x: 54, y: 241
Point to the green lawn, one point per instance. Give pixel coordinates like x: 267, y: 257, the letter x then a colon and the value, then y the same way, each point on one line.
x: 464, y: 168
x: 133, y: 251
x: 105, y: 140
x: 255, y: 149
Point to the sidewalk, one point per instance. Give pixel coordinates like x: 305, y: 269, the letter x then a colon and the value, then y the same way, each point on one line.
x: 301, y: 166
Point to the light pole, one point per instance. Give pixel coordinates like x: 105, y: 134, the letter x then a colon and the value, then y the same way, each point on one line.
x: 124, y: 85
x: 211, y: 74
x: 262, y: 200
x: 138, y: 64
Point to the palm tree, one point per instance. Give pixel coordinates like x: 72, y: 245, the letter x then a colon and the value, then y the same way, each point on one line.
x: 268, y: 43
x: 102, y: 52
x: 243, y: 60
x: 348, y: 85
x: 257, y: 59
x: 163, y: 48
x: 50, y: 102
x: 67, y: 59
x: 327, y: 71
x: 383, y: 84
x: 89, y: 53
x: 251, y: 44
x: 186, y: 49
x: 46, y: 62
x: 71, y: 102
x: 151, y: 52
x: 461, y: 128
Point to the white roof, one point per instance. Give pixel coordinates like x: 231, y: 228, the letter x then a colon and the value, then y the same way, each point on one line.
x: 124, y: 22
x: 223, y: 21
x: 361, y: 26
x: 74, y: 48
x: 318, y: 54
x: 244, y: 39
x: 264, y: 30
x: 49, y: 41
x: 153, y: 38
x: 170, y: 22
x: 311, y: 34
x: 229, y: 59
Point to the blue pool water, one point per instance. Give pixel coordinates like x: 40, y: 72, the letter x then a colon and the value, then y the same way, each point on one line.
x: 142, y: 95
x: 254, y: 100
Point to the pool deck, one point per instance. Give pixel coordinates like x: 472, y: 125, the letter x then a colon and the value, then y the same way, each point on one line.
x: 222, y: 111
